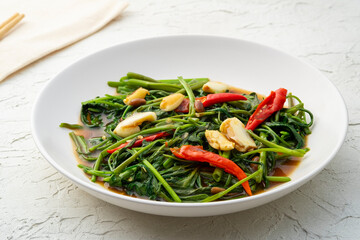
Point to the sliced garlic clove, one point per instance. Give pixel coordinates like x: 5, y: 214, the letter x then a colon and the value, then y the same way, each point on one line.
x: 171, y: 102
x: 131, y: 124
x: 126, y: 131
x: 139, y: 93
x: 235, y: 131
x: 218, y: 141
x: 215, y: 87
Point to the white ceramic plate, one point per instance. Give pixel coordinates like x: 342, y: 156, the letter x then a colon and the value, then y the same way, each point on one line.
x: 239, y: 63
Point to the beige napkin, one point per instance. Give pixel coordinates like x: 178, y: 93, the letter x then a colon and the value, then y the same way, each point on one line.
x: 48, y: 26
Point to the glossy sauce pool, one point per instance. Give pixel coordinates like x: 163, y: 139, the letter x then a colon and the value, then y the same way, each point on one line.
x: 282, y: 169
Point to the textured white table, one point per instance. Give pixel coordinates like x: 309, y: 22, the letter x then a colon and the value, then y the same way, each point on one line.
x: 37, y: 202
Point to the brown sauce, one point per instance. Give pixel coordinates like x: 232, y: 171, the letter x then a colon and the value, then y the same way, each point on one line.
x: 88, y: 132
x: 283, y: 169
x: 113, y: 189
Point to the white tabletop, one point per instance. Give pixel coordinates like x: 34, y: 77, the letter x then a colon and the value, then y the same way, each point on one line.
x: 38, y: 202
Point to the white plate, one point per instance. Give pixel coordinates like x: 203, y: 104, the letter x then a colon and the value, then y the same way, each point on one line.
x: 240, y: 63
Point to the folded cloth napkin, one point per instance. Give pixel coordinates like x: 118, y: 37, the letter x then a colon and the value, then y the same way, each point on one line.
x: 49, y: 26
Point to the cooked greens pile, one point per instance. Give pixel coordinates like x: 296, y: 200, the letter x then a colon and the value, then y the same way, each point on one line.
x: 150, y: 138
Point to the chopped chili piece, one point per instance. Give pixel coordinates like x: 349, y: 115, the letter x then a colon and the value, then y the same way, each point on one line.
x: 271, y: 104
x: 139, y: 142
x: 212, y: 99
x: 197, y: 153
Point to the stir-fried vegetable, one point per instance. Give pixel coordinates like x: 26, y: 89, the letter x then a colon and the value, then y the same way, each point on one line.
x: 185, y: 140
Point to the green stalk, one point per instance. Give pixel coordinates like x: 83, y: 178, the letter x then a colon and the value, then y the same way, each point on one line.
x: 162, y: 181
x: 198, y: 84
x: 93, y: 148
x: 140, y: 77
x: 223, y: 193
x: 290, y: 100
x: 124, y: 175
x: 175, y: 158
x: 157, y: 100
x: 185, y: 126
x: 95, y: 173
x: 181, y: 115
x: 226, y: 154
x: 228, y: 180
x: 70, y: 126
x: 113, y: 135
x: 217, y: 174
x: 168, y: 163
x: 127, y: 109
x: 104, y: 146
x: 262, y: 161
x: 90, y: 171
x: 80, y: 143
x: 119, y: 96
x: 194, y: 198
x: 90, y: 159
x: 165, y: 197
x: 143, y: 107
x: 188, y: 80
x: 190, y: 95
x: 127, y: 173
x: 135, y: 83
x: 172, y: 157
x: 293, y: 96
x: 157, y: 152
x: 240, y: 111
x: 278, y: 179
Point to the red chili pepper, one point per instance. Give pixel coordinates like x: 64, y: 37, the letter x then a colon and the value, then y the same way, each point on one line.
x: 197, y: 153
x: 271, y: 104
x: 210, y: 100
x: 139, y: 142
